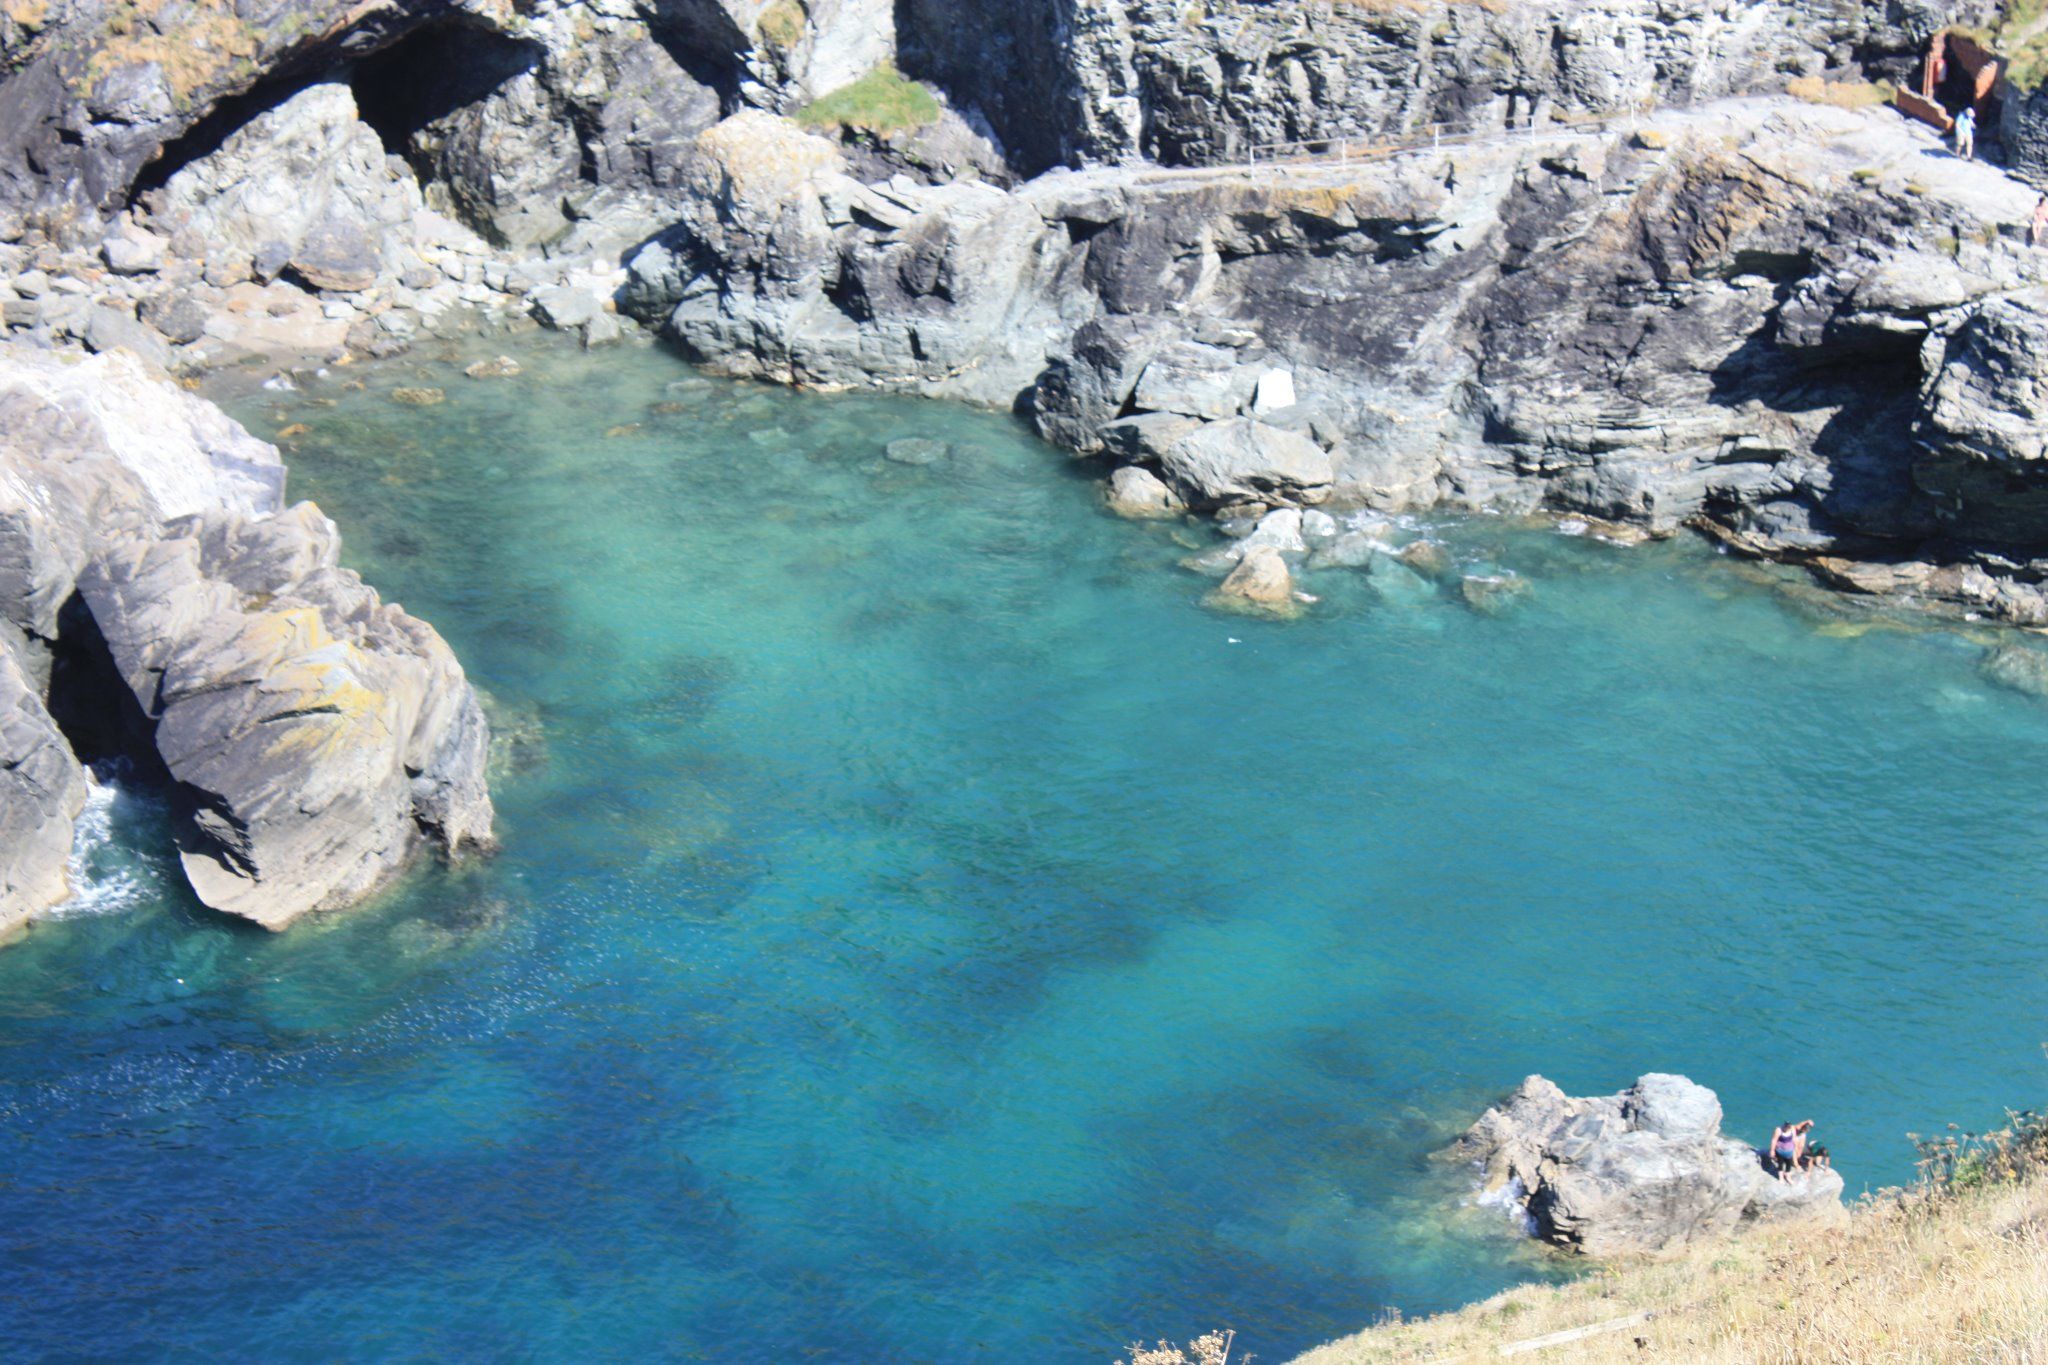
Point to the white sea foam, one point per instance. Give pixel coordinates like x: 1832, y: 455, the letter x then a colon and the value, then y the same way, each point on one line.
x: 105, y: 878
x: 1511, y: 1199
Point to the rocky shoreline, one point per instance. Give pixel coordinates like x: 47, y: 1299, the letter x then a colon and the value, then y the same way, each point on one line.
x: 1643, y: 1172
x: 1639, y: 284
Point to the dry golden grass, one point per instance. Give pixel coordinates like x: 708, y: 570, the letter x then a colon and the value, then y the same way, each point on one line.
x: 1909, y: 1278
x: 1841, y: 94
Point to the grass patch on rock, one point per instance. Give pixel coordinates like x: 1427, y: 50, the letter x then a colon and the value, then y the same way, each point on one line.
x: 781, y: 25
x: 882, y: 102
x: 1841, y: 94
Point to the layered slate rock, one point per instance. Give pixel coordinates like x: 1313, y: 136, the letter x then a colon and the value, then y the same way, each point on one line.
x: 42, y: 790
x: 1643, y: 1171
x: 317, y: 738
x: 320, y: 734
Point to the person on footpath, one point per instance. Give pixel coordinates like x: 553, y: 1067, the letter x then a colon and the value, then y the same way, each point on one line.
x: 1966, y: 135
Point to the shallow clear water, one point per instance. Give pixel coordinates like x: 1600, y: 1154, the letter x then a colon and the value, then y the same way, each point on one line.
x: 926, y: 932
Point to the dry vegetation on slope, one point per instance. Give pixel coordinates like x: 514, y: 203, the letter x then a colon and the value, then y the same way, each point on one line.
x: 1953, y: 1270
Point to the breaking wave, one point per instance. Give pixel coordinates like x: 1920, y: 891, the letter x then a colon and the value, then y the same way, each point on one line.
x: 106, y: 874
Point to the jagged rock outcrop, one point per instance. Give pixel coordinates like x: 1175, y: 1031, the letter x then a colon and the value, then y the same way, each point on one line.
x: 305, y: 185
x: 1640, y: 1172
x: 315, y: 738
x: 1780, y: 321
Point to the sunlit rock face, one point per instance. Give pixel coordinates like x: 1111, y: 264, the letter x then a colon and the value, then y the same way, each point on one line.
x: 314, y: 738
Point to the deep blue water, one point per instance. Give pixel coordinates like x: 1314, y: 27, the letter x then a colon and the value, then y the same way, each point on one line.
x: 925, y: 932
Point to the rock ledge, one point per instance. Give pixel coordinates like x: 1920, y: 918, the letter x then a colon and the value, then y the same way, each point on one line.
x: 1638, y: 1173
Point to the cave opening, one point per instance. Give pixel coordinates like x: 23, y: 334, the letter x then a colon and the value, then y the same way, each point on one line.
x: 92, y: 705
x: 205, y: 137
x: 431, y: 73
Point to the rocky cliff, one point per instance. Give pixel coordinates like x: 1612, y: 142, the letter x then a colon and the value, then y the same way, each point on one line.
x: 1803, y: 327
x: 1641, y: 1172
x: 165, y: 609
x: 1542, y: 255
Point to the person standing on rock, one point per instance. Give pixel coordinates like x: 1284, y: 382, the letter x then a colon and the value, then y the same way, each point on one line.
x: 1785, y: 1147
x: 2037, y: 231
x: 1966, y: 135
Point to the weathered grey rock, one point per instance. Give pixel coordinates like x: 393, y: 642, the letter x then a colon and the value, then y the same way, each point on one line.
x: 915, y: 450
x: 1262, y: 582
x: 177, y: 316
x: 321, y: 734
x: 566, y: 307
x: 1071, y: 81
x: 1139, y: 495
x: 1145, y: 437
x: 305, y: 185
x: 132, y: 251
x: 1243, y: 458
x: 320, y: 738
x: 1196, y: 380
x: 42, y: 790
x: 109, y: 329
x: 339, y: 255
x: 1350, y: 550
x: 1641, y: 1172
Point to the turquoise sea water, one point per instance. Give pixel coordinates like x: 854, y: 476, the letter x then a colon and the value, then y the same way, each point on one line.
x: 926, y: 933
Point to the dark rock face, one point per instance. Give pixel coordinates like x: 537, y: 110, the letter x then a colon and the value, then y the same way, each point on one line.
x: 1780, y: 321
x: 1637, y: 1173
x: 317, y: 739
x: 1071, y: 81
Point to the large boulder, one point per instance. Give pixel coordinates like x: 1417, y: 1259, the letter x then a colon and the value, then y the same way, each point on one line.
x: 317, y: 738
x: 1640, y: 1172
x: 1246, y: 459
x: 308, y: 181
x: 321, y: 735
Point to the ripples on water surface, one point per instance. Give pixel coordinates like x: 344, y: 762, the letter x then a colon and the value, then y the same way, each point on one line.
x: 925, y: 933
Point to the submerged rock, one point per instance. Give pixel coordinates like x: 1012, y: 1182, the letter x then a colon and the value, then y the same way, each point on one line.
x: 915, y: 450
x: 1261, y: 581
x: 2018, y: 667
x: 1492, y: 594
x: 503, y: 367
x: 1640, y: 1172
x: 1350, y: 550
